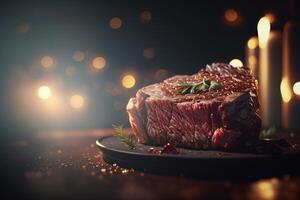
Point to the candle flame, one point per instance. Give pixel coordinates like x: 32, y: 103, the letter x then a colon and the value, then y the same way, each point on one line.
x: 263, y: 30
x: 285, y: 90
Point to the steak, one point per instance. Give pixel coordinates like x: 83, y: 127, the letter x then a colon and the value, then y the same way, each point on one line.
x: 202, y: 117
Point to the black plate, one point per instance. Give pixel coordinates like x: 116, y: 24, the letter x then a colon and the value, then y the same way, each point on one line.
x: 198, y: 163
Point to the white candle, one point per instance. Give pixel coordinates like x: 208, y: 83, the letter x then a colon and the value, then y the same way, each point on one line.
x: 291, y: 77
x: 270, y: 70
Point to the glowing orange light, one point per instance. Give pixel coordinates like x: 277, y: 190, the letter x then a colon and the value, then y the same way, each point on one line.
x: 76, y: 101
x: 128, y: 81
x: 47, y: 61
x: 115, y: 23
x: 296, y: 88
x: 263, y: 30
x: 231, y: 15
x: 99, y: 62
x: 236, y: 63
x: 266, y: 189
x: 285, y: 90
x: 44, y: 92
x: 252, y: 43
x: 24, y: 28
x: 271, y: 17
x: 78, y: 56
x: 149, y: 53
x: 146, y: 17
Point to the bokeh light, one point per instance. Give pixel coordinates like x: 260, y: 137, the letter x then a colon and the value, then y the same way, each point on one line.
x: 145, y: 17
x: 47, y: 61
x: 115, y: 23
x: 24, y: 28
x: 99, y: 62
x: 149, y: 53
x: 265, y: 189
x: 296, y: 88
x: 231, y: 15
x: 76, y: 101
x: 78, y: 56
x: 236, y: 63
x: 263, y: 30
x: 128, y: 81
x: 44, y: 92
x: 286, y: 93
x: 252, y: 43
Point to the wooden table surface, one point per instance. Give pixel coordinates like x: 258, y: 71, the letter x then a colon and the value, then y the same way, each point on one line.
x: 68, y: 164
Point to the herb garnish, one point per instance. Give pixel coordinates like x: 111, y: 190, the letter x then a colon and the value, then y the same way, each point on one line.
x: 193, y: 88
x: 268, y: 133
x: 127, y: 138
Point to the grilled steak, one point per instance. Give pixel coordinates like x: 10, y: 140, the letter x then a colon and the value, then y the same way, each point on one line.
x: 190, y: 111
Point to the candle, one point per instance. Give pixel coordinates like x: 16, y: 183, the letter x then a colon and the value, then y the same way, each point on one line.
x: 252, y: 56
x: 270, y: 70
x: 290, y: 86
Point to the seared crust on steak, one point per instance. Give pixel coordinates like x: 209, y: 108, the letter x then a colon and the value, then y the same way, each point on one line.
x: 223, y: 119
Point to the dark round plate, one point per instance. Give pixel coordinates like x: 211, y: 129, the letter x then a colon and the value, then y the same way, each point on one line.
x: 198, y: 163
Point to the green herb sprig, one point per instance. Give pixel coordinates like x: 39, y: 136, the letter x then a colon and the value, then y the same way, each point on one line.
x: 268, y: 133
x: 127, y: 138
x: 194, y: 88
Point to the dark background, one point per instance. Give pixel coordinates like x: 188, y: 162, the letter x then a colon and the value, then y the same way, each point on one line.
x: 185, y: 36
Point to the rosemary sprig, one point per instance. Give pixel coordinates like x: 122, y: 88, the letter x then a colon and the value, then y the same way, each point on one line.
x: 268, y: 133
x: 127, y: 138
x: 194, y: 88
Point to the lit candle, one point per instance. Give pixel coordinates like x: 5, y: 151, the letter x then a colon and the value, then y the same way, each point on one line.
x: 252, y: 56
x: 290, y: 87
x: 270, y: 70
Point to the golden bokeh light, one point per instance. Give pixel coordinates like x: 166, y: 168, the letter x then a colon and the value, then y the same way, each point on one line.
x: 263, y: 30
x: 115, y: 23
x: 24, y: 28
x: 231, y: 15
x: 76, y: 101
x: 44, y: 92
x: 128, y: 81
x: 145, y: 17
x: 285, y: 90
x: 252, y: 43
x: 47, y: 61
x: 99, y: 62
x: 265, y: 189
x: 78, y: 56
x: 296, y: 88
x: 149, y: 53
x: 236, y: 63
